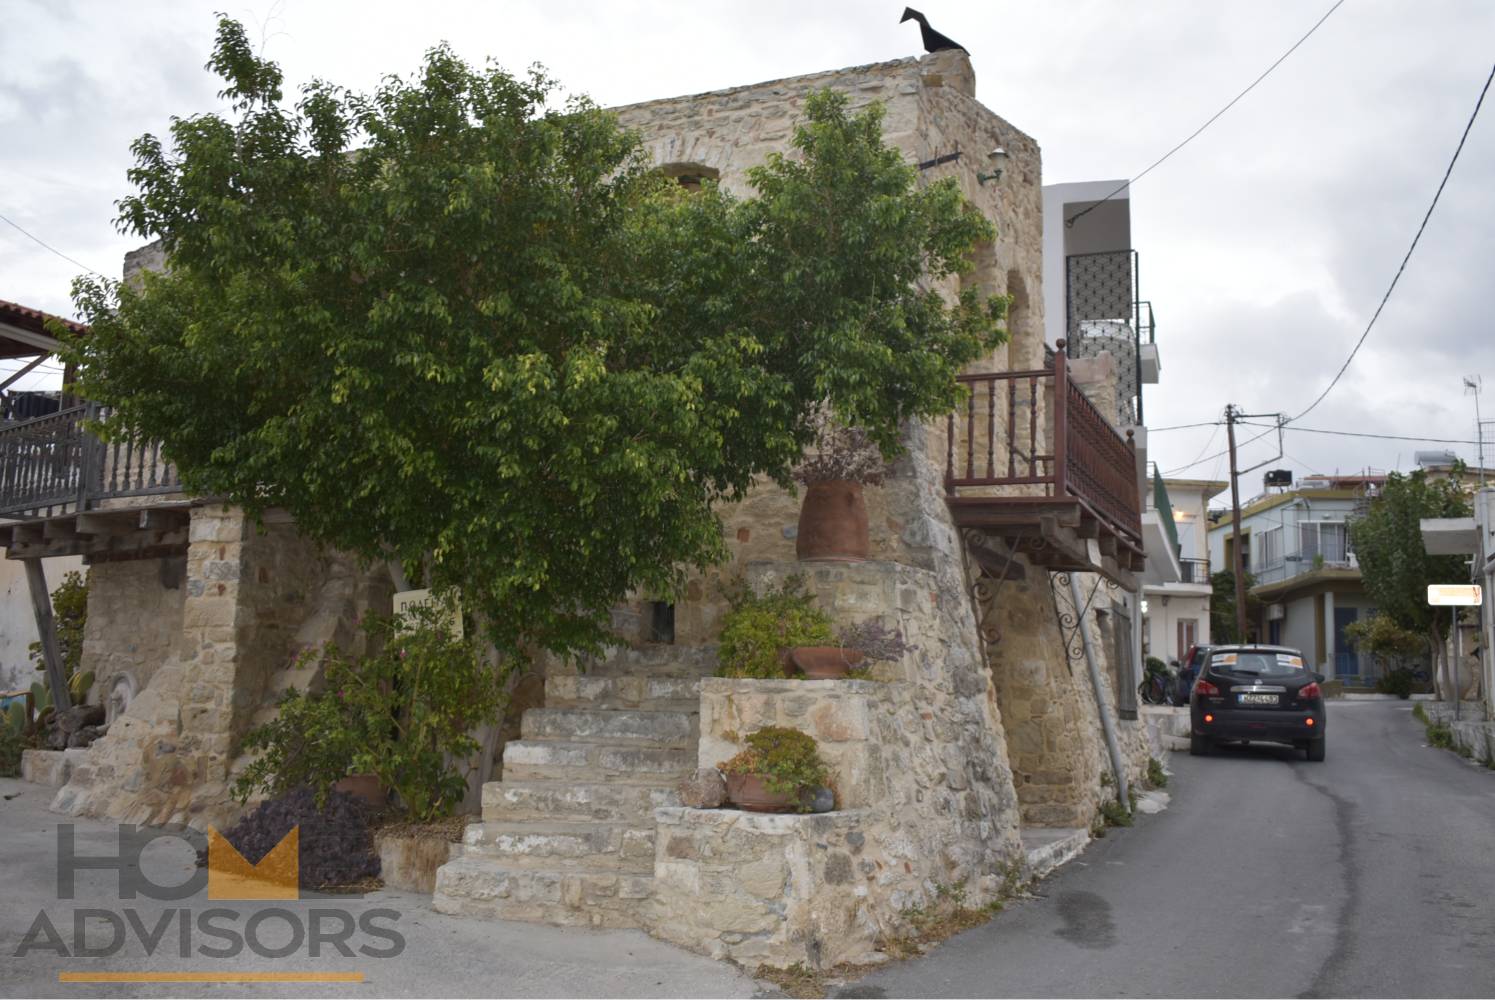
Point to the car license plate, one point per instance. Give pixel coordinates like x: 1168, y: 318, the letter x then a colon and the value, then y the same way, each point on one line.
x: 1253, y: 698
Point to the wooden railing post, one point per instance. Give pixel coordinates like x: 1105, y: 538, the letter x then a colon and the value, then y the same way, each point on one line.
x: 1061, y: 419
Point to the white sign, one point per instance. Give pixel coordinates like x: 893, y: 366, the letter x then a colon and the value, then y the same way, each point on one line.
x: 407, y: 599
x: 1459, y: 594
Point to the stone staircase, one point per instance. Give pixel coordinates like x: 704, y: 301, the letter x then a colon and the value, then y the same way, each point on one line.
x: 568, y: 834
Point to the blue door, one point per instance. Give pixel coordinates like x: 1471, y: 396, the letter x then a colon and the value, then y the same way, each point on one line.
x: 1346, y: 660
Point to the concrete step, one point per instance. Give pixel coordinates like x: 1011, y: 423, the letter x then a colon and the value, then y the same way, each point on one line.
x: 661, y: 729
x: 590, y: 763
x: 677, y: 694
x: 575, y: 896
x: 611, y: 847
x: 513, y: 801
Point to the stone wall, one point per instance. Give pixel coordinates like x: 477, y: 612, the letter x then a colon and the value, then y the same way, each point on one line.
x: 243, y: 608
x: 134, y: 620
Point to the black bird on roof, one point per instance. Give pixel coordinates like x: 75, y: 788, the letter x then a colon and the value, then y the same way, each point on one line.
x: 933, y: 40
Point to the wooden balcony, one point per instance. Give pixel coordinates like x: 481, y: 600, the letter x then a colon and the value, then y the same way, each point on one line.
x: 53, y: 465
x: 1033, y: 463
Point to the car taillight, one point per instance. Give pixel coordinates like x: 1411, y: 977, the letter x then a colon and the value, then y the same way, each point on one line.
x: 1205, y: 689
x: 1310, y: 690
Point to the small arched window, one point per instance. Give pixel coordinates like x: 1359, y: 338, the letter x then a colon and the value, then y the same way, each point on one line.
x: 690, y: 175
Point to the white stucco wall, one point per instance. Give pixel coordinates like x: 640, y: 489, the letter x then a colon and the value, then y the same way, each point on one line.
x: 18, y: 622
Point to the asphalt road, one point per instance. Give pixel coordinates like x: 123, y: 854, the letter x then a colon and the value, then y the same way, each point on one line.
x: 1371, y: 874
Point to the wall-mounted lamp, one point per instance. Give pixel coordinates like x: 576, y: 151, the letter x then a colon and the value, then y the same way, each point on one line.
x: 997, y: 155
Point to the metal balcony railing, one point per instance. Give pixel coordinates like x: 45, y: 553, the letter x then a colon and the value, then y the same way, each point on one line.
x: 54, y: 465
x: 1105, y: 313
x: 1194, y: 571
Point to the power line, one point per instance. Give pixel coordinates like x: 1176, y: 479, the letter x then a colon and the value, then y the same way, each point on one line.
x: 1158, y: 162
x: 47, y: 246
x: 1201, y: 461
x: 1397, y: 277
x: 1180, y: 427
x: 1363, y: 434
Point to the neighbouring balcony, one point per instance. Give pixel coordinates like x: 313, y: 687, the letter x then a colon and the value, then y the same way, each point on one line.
x: 1106, y: 314
x: 53, y: 465
x: 1194, y: 571
x: 1033, y: 461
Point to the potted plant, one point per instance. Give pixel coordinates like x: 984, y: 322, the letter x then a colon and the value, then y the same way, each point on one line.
x: 862, y: 644
x: 780, y: 770
x: 833, y: 516
x: 759, y: 631
x: 397, y: 721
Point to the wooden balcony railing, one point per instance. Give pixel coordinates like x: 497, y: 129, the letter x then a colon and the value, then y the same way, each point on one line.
x: 1032, y: 434
x: 53, y: 465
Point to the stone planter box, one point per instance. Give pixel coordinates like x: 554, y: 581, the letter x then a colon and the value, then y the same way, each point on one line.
x: 50, y: 767
x: 409, y: 861
x: 848, y: 719
x: 767, y: 888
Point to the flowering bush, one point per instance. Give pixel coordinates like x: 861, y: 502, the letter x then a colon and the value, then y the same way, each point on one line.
x: 875, y: 640
x: 404, y: 713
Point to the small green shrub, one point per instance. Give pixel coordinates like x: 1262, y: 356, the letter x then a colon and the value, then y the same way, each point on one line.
x: 12, y: 742
x: 1113, y: 813
x: 787, y: 759
x: 1440, y: 735
x: 1156, y: 777
x: 1398, y: 682
x: 69, y: 615
x: 1156, y: 666
x: 760, y: 625
x: 405, y: 714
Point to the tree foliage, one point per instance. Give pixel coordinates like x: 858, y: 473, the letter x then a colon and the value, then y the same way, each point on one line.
x: 1394, y: 564
x: 1388, y: 545
x: 1222, y: 606
x: 448, y: 321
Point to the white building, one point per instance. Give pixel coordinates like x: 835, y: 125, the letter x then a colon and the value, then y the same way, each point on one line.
x: 1296, y: 546
x: 1177, y: 592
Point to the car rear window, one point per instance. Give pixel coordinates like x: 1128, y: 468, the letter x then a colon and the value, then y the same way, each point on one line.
x: 1265, y: 664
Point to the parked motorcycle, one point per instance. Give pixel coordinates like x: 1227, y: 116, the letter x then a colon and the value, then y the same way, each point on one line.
x: 1160, y: 685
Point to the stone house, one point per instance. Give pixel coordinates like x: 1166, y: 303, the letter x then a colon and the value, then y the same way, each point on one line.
x: 1006, y: 544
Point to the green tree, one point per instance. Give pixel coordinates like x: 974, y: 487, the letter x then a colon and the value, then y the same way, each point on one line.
x: 1397, y: 569
x: 449, y: 322
x: 1222, y: 607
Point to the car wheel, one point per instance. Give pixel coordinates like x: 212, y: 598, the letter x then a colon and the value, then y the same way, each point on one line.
x: 1316, y: 749
x: 1199, y: 746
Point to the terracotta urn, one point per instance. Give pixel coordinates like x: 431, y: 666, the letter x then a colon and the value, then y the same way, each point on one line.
x: 365, y: 787
x: 833, y: 522
x: 824, y: 663
x: 751, y: 792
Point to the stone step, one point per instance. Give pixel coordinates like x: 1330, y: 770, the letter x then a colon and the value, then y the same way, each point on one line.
x: 512, y: 801
x: 662, y: 729
x: 677, y: 694
x: 648, y: 661
x: 590, y: 763
x: 576, y: 896
x: 613, y: 847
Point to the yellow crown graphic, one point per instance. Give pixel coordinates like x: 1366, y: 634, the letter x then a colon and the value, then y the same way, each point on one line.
x: 277, y: 876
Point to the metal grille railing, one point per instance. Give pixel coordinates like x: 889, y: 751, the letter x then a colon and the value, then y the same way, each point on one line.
x: 1194, y: 571
x: 1104, y: 314
x: 53, y: 465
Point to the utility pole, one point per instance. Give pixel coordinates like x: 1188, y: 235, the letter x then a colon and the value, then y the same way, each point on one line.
x: 1238, y: 568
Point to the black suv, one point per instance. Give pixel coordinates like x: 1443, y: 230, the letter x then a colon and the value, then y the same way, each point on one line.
x: 1257, y: 694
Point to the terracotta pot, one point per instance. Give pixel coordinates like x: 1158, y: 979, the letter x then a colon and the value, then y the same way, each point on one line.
x: 750, y: 792
x: 824, y: 663
x: 365, y: 787
x: 833, y: 523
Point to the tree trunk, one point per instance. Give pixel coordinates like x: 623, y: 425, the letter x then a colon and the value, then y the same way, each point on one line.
x: 1442, y: 683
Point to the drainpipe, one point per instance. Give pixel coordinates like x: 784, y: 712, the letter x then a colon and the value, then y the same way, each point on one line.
x: 1107, y: 725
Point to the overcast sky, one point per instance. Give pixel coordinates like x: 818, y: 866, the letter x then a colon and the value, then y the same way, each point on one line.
x: 1264, y: 245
